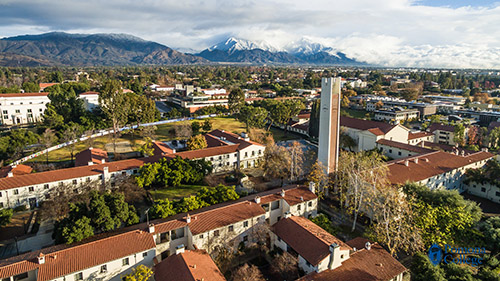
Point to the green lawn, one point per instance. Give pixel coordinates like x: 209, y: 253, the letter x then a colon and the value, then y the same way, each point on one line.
x: 175, y: 193
x: 353, y: 113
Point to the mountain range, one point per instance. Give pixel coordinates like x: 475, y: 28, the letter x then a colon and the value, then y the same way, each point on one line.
x: 64, y: 49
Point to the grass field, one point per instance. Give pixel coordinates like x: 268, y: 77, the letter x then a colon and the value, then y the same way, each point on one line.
x: 163, y: 133
x: 353, y: 113
x: 175, y: 193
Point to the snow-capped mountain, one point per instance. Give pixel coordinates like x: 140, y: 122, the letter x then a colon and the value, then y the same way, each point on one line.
x: 303, y: 51
x: 236, y: 44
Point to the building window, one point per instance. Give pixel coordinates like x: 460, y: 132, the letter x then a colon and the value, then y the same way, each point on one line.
x: 16, y: 192
x: 29, y: 110
x: 46, y: 186
x: 79, y: 276
x: 0, y: 194
x: 201, y: 236
x: 31, y: 189
x: 40, y: 109
x: 399, y: 153
x: 310, y: 204
x: 246, y: 154
x: 5, y: 112
x: 18, y: 111
x: 104, y: 268
x: 75, y: 181
x: 231, y: 228
x: 390, y: 150
x: 265, y: 207
x: 497, y: 194
x: 483, y: 189
x: 125, y: 261
x: 275, y: 205
x: 245, y: 238
x: 21, y: 276
x: 216, y: 233
x: 299, y: 207
x: 164, y: 237
x: 145, y: 254
x: 279, y: 218
x: 245, y: 224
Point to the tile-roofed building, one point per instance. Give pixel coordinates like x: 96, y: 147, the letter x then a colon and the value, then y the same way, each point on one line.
x: 444, y: 134
x: 417, y: 137
x: 441, y: 127
x: 109, y: 255
x: 436, y: 169
x: 91, y: 156
x: 87, y: 258
x: 161, y: 148
x: 188, y: 265
x: 322, y: 250
x: 15, y: 170
x: 373, y: 264
x: 366, y: 133
x: 22, y: 108
x: 396, y: 150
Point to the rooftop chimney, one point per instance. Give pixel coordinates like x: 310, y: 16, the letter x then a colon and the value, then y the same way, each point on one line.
x: 188, y: 218
x: 407, y: 163
x: 312, y: 187
x: 462, y: 153
x: 151, y: 228
x: 301, y: 198
x: 10, y: 174
x: 416, y: 160
x: 257, y: 199
x: 90, y: 148
x: 282, y: 193
x: 287, y: 215
x: 90, y: 163
x: 179, y: 249
x: 368, y: 245
x: 334, y: 247
x: 103, y: 160
x: 41, y: 258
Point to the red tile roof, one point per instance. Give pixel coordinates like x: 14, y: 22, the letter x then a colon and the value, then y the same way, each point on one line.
x: 70, y: 173
x: 429, y: 165
x: 45, y: 85
x: 16, y: 170
x: 94, y: 155
x: 63, y: 259
x: 375, y: 264
x: 234, y: 138
x: 296, y: 230
x: 441, y: 127
x: 207, y: 152
x: 188, y: 266
x: 23, y: 95
x: 161, y: 148
x: 405, y: 146
x: 412, y: 136
x: 360, y: 124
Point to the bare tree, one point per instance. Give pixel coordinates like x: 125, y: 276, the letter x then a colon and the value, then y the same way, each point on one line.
x: 286, y: 266
x: 247, y: 273
x: 183, y: 130
x: 277, y: 162
x: 296, y: 160
x: 48, y: 138
x: 69, y: 135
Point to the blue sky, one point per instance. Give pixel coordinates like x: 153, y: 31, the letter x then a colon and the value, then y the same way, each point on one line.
x: 427, y: 33
x: 456, y: 3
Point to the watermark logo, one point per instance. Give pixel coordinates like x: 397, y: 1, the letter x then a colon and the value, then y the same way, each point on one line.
x: 435, y: 254
x: 456, y: 255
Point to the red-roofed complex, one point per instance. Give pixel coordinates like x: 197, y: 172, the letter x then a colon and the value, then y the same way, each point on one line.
x: 187, y: 266
x: 91, y: 156
x: 109, y: 256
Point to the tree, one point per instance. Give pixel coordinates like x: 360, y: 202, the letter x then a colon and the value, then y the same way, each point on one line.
x: 253, y: 117
x: 410, y: 94
x: 147, y: 148
x: 189, y: 203
x: 56, y: 77
x: 48, y: 138
x: 296, y: 160
x: 114, y: 105
x: 285, y: 265
x: 162, y: 209
x: 207, y: 125
x: 30, y: 87
x: 324, y: 222
x: 459, y: 137
x: 276, y: 162
x: 318, y: 176
x: 423, y: 270
x: 5, y: 216
x: 491, y: 230
x: 140, y: 273
x: 70, y: 134
x: 236, y: 100
x: 142, y: 109
x: 77, y: 231
x: 183, y: 130
x: 218, y: 194
x: 195, y: 127
x: 196, y: 142
x: 247, y: 273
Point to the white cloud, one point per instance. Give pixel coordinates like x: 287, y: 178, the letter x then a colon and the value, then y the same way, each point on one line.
x: 389, y: 32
